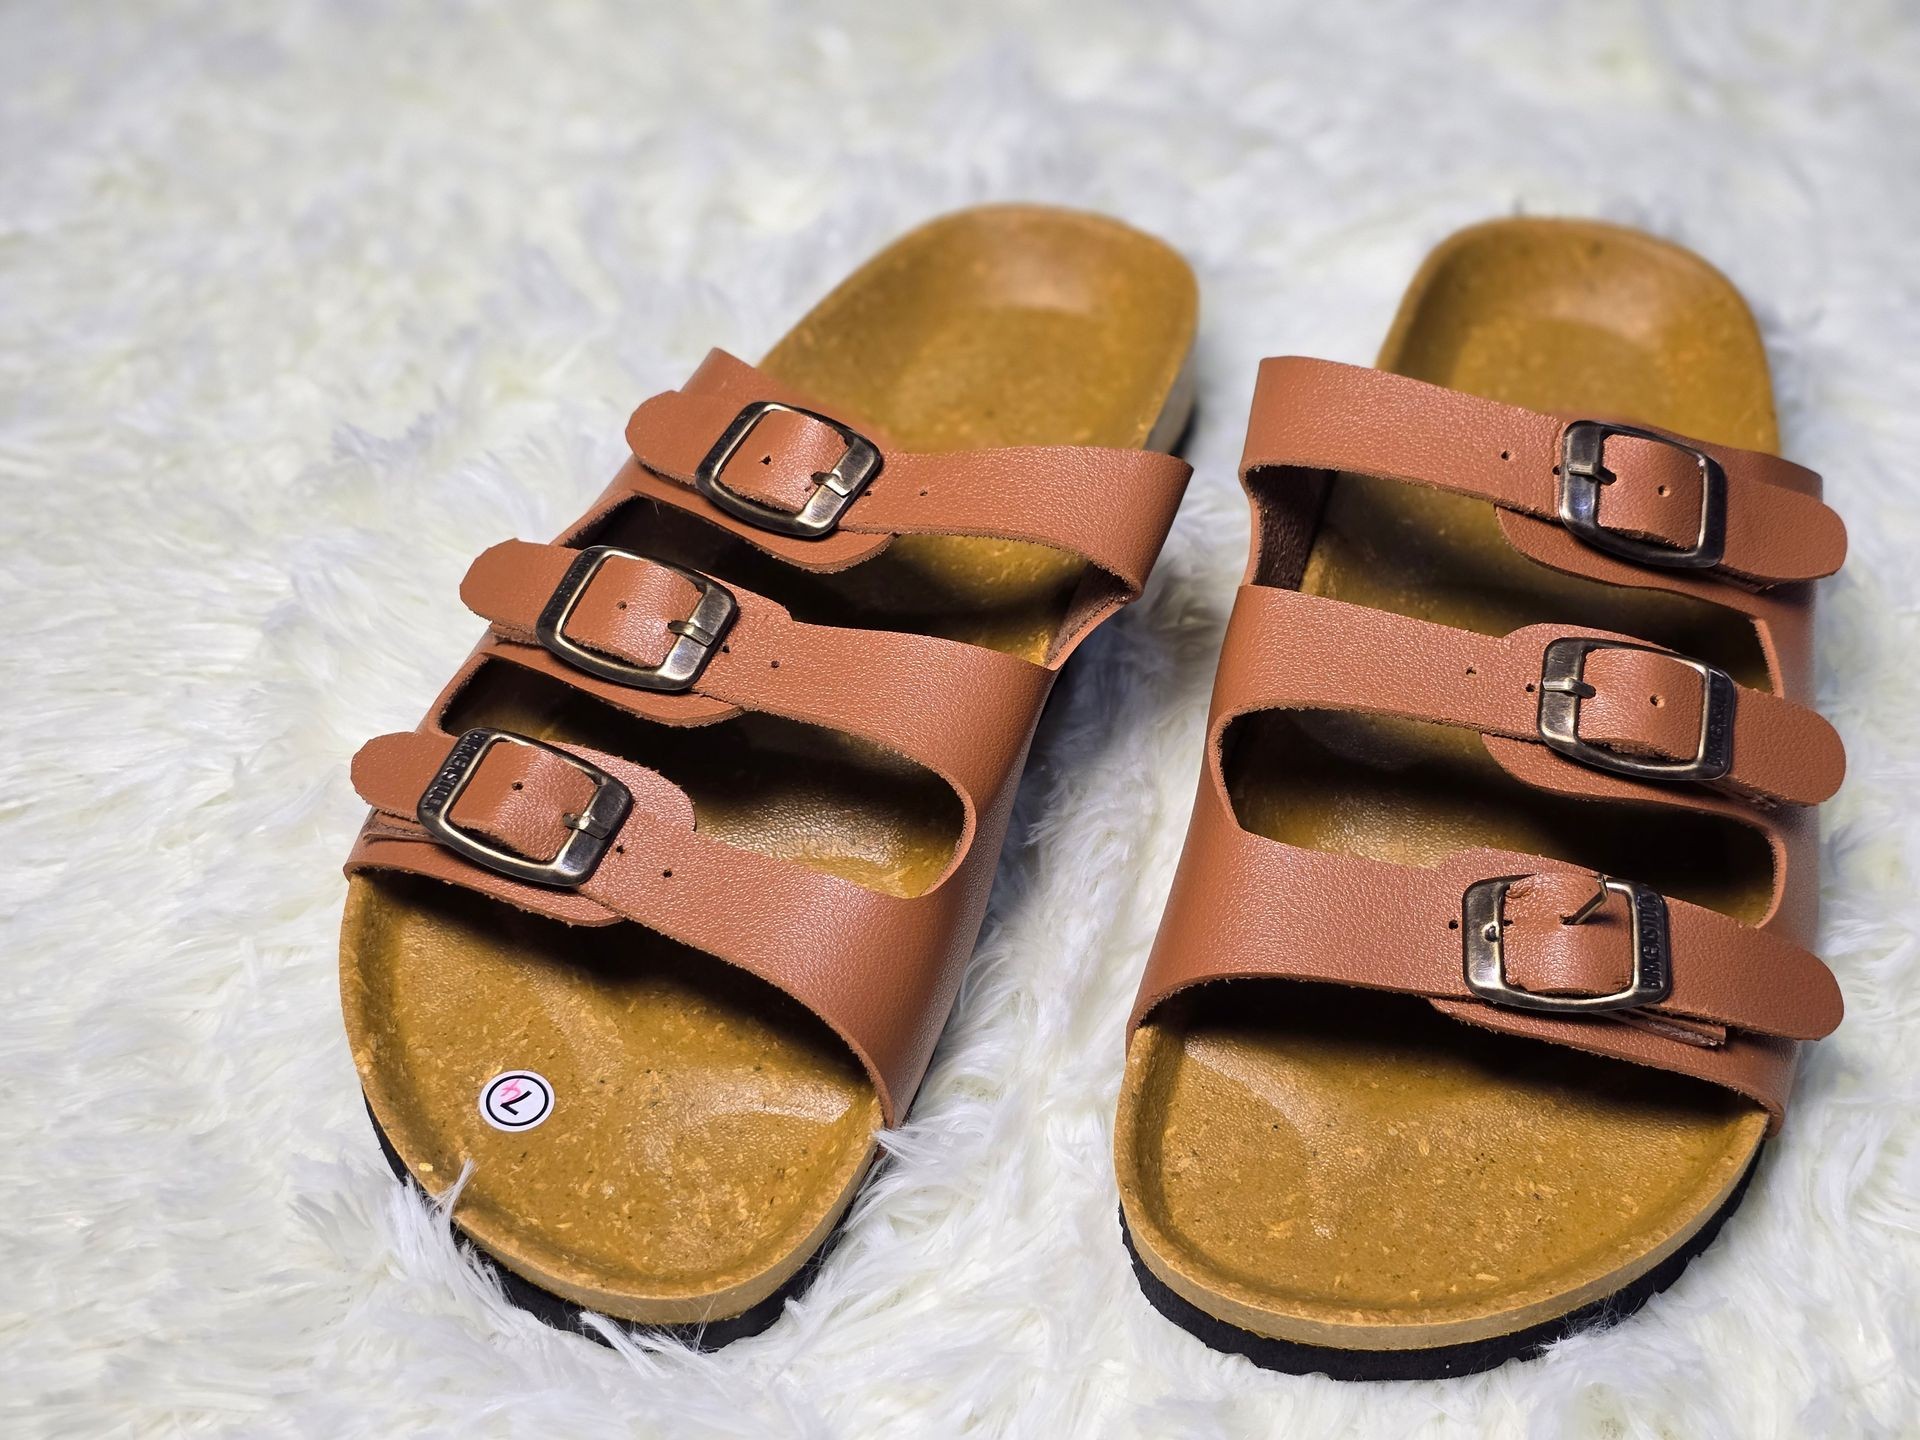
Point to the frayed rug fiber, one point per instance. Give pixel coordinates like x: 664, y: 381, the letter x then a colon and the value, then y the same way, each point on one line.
x: 302, y: 306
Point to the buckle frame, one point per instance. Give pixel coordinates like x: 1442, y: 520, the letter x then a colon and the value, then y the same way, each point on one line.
x: 694, y: 638
x: 580, y: 854
x: 1484, y: 959
x: 1583, y: 471
x: 1563, y: 686
x: 837, y: 489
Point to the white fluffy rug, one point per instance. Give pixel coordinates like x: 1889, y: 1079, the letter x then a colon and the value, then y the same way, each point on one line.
x: 301, y: 307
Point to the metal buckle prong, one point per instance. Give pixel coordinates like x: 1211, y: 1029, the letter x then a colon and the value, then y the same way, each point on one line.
x: 1583, y: 471
x: 690, y: 631
x: 1568, y: 685
x: 1590, y: 906
x: 835, y: 490
x: 1563, y: 686
x: 1483, y: 927
x: 694, y: 637
x: 580, y: 853
x: 594, y: 825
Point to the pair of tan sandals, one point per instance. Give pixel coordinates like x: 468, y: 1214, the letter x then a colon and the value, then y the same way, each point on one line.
x: 659, y: 914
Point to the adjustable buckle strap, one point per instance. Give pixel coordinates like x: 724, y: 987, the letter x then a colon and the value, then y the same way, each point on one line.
x: 1583, y: 473
x: 817, y: 492
x: 1563, y: 686
x: 1483, y: 930
x: 1581, y: 953
x: 1605, y: 702
x: 633, y: 853
x: 590, y: 828
x: 1500, y: 939
x: 835, y: 488
x: 903, y: 691
x: 694, y: 637
x: 1635, y: 493
x: 1487, y: 928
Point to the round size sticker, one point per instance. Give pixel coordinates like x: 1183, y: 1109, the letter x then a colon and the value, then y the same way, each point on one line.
x: 516, y: 1100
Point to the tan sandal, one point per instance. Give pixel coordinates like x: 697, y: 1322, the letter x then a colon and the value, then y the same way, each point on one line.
x: 1510, y: 730
x: 766, y: 704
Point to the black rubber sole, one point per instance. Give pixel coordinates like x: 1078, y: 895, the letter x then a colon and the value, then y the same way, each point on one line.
x: 563, y: 1314
x: 1442, y: 1361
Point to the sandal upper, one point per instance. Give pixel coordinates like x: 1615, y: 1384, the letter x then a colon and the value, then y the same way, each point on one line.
x: 1522, y: 943
x: 591, y: 838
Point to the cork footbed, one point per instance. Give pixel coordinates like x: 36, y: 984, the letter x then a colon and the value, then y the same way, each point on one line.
x: 1344, y: 1169
x: 706, y: 1132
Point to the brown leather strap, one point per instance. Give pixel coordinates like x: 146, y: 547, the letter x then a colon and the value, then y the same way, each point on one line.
x: 1316, y: 416
x: 1357, y: 921
x: 874, y: 967
x: 1742, y: 996
x: 1287, y: 649
x: 1109, y: 506
x: 960, y: 710
x: 1245, y: 907
x: 881, y: 970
